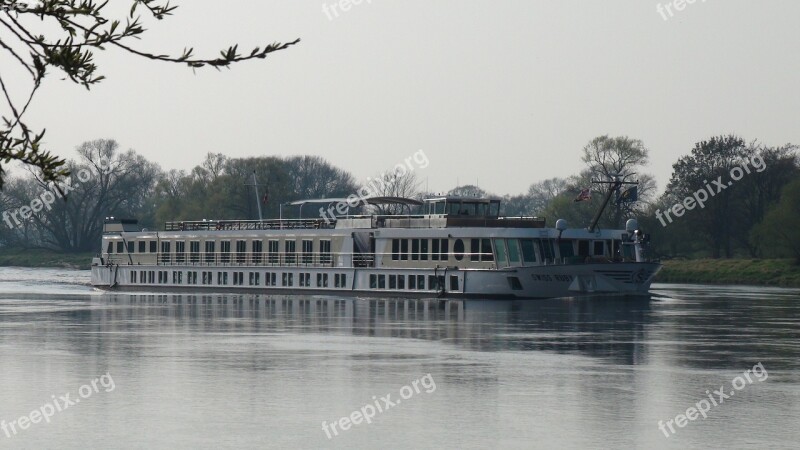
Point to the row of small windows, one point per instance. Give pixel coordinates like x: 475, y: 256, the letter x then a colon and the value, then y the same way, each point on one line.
x: 414, y: 282
x: 237, y: 278
x: 257, y: 247
x: 439, y: 250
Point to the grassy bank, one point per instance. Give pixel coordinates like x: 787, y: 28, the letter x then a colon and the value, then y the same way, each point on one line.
x: 757, y: 272
x: 44, y: 258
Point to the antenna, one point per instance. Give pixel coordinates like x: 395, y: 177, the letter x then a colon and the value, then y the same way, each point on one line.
x: 258, y: 200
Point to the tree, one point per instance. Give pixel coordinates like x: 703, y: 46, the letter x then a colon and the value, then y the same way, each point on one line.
x: 761, y: 189
x: 468, y: 190
x: 83, y: 27
x: 608, y: 157
x: 779, y: 232
x: 707, y: 167
x: 104, y: 182
x: 541, y: 194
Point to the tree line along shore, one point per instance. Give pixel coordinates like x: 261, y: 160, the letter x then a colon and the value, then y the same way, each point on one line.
x: 727, y: 199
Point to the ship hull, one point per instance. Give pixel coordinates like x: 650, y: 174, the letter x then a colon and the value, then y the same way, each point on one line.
x: 534, y: 282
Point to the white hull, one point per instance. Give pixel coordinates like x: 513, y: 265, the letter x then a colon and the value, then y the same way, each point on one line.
x: 566, y: 280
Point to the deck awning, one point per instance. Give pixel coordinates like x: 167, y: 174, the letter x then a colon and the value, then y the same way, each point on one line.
x: 370, y: 200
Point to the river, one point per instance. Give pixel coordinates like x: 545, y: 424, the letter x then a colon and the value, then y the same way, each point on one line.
x: 692, y: 367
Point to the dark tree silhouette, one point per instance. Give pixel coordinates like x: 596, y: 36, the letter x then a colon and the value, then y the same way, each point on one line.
x: 26, y: 37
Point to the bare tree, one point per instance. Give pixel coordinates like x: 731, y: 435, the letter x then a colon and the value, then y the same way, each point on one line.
x: 63, y: 35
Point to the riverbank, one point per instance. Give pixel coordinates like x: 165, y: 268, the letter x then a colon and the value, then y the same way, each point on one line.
x: 45, y: 258
x: 754, y: 272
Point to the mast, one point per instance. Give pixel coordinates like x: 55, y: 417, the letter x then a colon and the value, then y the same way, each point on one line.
x: 258, y: 200
x: 615, y: 184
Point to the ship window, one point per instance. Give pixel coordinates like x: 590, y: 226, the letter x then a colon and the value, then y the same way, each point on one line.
x: 241, y: 250
x: 444, y: 250
x: 395, y: 249
x: 373, y: 281
x: 513, y: 251
x: 500, y: 248
x: 272, y: 251
x: 180, y: 249
x: 415, y: 249
x: 599, y: 248
x: 453, y: 282
x: 225, y: 250
x: 474, y: 250
x: 120, y: 247
x: 290, y: 249
x: 412, y: 282
x: 528, y: 253
x: 435, y: 282
x: 392, y: 281
x: 458, y: 249
x: 486, y: 250
x: 404, y: 249
x: 514, y: 283
x: 583, y: 248
x: 566, y: 248
x: 110, y: 248
x: 142, y: 246
x: 151, y: 276
x: 401, y: 282
x: 130, y: 247
x: 435, y: 250
x: 166, y: 253
x: 423, y: 250
x: 546, y: 249
x: 133, y: 276
x: 325, y: 254
x: 381, y: 281
x: 421, y: 282
x: 210, y: 255
x: 153, y: 247
x: 308, y: 251
x: 258, y: 249
x: 194, y: 250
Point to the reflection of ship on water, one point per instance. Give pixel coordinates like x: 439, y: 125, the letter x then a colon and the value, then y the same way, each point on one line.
x: 609, y: 327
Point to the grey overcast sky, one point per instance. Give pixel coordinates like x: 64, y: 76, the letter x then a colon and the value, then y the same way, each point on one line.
x: 505, y: 92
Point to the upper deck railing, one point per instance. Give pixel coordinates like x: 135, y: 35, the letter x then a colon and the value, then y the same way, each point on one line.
x: 248, y: 225
x: 375, y: 221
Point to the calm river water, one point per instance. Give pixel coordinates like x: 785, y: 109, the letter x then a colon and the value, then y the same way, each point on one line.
x: 84, y: 369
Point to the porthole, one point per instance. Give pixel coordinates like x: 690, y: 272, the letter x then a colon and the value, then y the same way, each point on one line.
x: 458, y: 249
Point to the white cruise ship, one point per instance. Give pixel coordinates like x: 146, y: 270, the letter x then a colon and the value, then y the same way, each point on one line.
x: 455, y: 247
